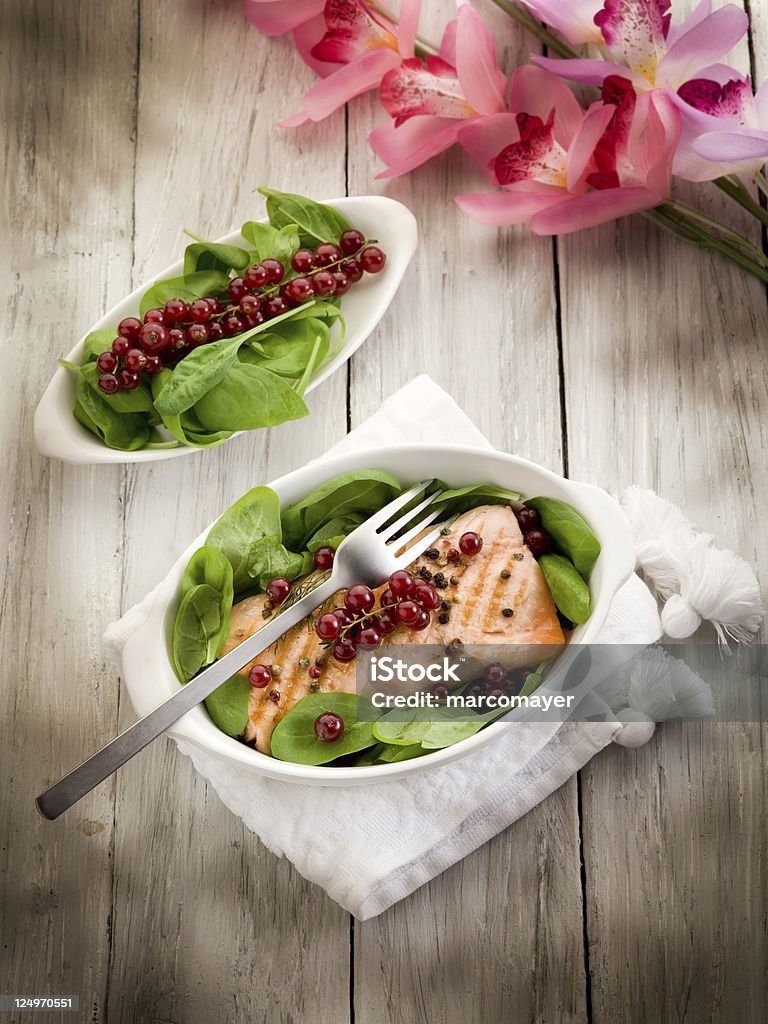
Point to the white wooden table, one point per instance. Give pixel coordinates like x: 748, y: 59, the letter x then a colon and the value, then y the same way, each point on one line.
x: 635, y: 893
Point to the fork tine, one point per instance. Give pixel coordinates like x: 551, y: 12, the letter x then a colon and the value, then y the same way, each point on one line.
x: 400, y: 542
x: 406, y: 557
x: 383, y: 517
x: 392, y: 529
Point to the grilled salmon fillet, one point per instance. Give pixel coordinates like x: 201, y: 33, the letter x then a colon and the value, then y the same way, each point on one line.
x: 504, y: 576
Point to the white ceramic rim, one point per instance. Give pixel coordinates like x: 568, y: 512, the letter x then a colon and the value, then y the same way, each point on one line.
x: 59, y: 435
x: 146, y: 651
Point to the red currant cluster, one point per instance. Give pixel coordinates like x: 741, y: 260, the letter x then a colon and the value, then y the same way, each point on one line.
x: 535, y: 539
x: 496, y: 682
x: 166, y: 335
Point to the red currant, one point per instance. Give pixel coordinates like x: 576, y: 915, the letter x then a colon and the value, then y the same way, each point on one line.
x: 177, y: 339
x: 352, y: 269
x: 215, y: 331
x: 250, y: 305
x: 426, y: 595
x: 341, y: 282
x: 197, y: 334
x: 329, y: 727
x: 236, y: 289
x: 470, y: 544
x: 401, y: 584
x: 372, y: 259
x: 300, y: 290
x: 386, y: 597
x: 407, y: 612
x: 153, y: 338
x: 422, y: 622
x: 213, y: 303
x: 315, y: 672
x: 154, y: 364
x: 387, y: 621
x: 106, y: 362
x: 344, y: 649
x: 344, y: 616
x: 200, y: 311
x: 323, y: 282
x: 359, y: 598
x: 129, y: 328
x: 154, y: 316
x: 175, y: 310
x: 278, y: 589
x: 135, y: 360
x: 128, y: 380
x: 108, y: 383
x: 254, y: 319
x: 327, y: 253
x: 120, y: 346
x: 275, y: 306
x: 233, y: 324
x: 328, y: 626
x: 454, y: 555
x: 303, y: 261
x: 528, y: 518
x: 494, y: 675
x: 351, y: 241
x: 256, y: 276
x: 537, y: 541
x: 370, y: 637
x: 440, y: 691
x: 275, y: 270
x: 324, y: 558
x: 259, y: 676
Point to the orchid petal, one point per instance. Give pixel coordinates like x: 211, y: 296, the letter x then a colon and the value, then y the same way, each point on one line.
x: 360, y: 75
x: 733, y: 147
x: 408, y: 26
x: 761, y: 104
x: 705, y: 43
x: 592, y: 72
x: 484, y: 137
x: 575, y: 19
x: 273, y: 17
x: 701, y: 12
x: 306, y: 36
x: 448, y: 43
x: 481, y: 80
x: 636, y: 32
x: 413, y: 143
x: 592, y: 209
x: 582, y: 148
x: 536, y: 91
x: 414, y: 88
x: 510, y: 207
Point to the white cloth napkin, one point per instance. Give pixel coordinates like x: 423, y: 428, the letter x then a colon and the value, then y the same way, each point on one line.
x: 370, y: 846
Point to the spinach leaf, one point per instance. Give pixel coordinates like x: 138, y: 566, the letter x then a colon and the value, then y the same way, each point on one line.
x: 211, y: 566
x: 187, y: 287
x: 571, y: 533
x: 569, y: 591
x: 362, y: 491
x: 294, y: 737
x: 315, y: 221
x: 462, y: 499
x: 139, y: 400
x: 205, y: 255
x: 266, y: 240
x: 332, y: 533
x: 392, y: 753
x: 195, y: 374
x: 288, y: 349
x: 246, y: 397
x: 98, y: 342
x: 199, y: 630
x: 125, y: 432
x: 186, y: 428
x: 239, y: 534
x: 228, y: 705
x: 270, y: 558
x: 404, y: 727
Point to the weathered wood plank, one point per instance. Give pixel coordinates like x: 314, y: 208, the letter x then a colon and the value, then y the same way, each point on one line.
x: 65, y: 256
x: 666, y: 385
x: 499, y: 936
x: 208, y: 925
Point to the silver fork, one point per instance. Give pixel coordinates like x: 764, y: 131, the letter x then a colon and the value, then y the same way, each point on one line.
x: 370, y: 554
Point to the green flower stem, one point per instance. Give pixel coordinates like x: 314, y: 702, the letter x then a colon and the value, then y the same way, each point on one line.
x: 527, y: 20
x: 761, y: 183
x: 679, y: 224
x: 731, y: 236
x: 737, y: 190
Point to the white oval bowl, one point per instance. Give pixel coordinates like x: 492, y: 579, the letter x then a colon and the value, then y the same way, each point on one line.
x: 147, y: 670
x: 59, y: 435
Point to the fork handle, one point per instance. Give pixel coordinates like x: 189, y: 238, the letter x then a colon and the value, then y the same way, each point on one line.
x: 95, y: 769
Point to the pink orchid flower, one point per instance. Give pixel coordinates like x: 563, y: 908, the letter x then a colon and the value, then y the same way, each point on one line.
x: 367, y: 45
x: 429, y: 101
x: 564, y: 169
x: 642, y: 44
x: 573, y: 19
x: 725, y: 126
x: 273, y: 17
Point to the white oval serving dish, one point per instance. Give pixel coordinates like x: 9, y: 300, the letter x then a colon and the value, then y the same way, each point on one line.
x: 59, y: 435
x: 147, y: 670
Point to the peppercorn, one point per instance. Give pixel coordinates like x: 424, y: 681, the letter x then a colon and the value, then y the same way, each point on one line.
x: 505, y: 574
x: 441, y: 584
x: 266, y: 613
x: 303, y: 662
x: 454, y: 581
x: 518, y: 556
x: 274, y: 696
x: 314, y: 687
x: 425, y: 573
x: 445, y: 605
x: 433, y: 553
x: 507, y: 612
x: 439, y: 577
x: 275, y: 670
x: 445, y: 531
x: 443, y: 618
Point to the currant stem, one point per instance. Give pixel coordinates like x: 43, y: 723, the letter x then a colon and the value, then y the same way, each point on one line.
x: 527, y: 20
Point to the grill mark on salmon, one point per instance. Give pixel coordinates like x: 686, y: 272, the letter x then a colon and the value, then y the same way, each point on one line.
x: 477, y: 600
